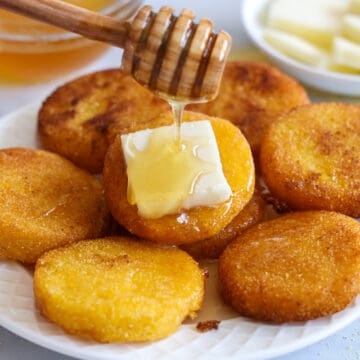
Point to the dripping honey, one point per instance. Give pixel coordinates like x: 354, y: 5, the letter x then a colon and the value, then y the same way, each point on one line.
x: 169, y: 169
x: 165, y: 174
x: 178, y: 105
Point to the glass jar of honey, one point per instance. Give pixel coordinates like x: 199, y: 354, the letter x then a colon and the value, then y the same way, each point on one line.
x: 31, y: 51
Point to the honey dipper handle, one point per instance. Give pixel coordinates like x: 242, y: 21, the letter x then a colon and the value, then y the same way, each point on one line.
x: 73, y: 18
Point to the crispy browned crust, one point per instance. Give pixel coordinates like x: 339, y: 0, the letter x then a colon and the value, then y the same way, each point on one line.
x: 298, y: 267
x: 310, y: 158
x: 2, y: 254
x: 201, y: 222
x: 118, y: 289
x: 212, y: 247
x: 252, y: 96
x: 80, y: 119
x: 46, y: 202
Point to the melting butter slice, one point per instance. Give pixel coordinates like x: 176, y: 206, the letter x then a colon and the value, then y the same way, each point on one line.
x: 346, y: 53
x: 295, y: 47
x: 165, y: 176
x: 351, y: 27
x: 317, y: 21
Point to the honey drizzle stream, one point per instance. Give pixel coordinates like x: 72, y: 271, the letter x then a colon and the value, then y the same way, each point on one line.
x: 178, y: 109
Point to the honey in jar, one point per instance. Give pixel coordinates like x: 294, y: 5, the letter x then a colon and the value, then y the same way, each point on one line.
x: 31, y: 51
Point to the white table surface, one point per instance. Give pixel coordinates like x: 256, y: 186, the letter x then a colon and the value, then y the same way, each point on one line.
x: 226, y: 14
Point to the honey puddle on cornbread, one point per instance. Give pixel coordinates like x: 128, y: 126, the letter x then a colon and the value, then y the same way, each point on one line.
x: 168, y: 171
x: 172, y: 167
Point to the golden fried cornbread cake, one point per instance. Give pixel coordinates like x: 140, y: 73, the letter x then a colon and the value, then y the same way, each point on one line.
x: 80, y: 119
x: 117, y: 289
x: 212, y: 247
x: 197, y: 223
x: 298, y: 267
x: 46, y: 202
x: 252, y: 96
x: 310, y: 158
x: 2, y: 254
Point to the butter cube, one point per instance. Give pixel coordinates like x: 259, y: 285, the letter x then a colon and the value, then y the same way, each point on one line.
x: 351, y: 27
x: 295, y: 47
x: 165, y: 177
x: 314, y: 20
x: 346, y: 53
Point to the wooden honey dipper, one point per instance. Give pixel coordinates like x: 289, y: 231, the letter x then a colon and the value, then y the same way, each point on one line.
x: 170, y: 55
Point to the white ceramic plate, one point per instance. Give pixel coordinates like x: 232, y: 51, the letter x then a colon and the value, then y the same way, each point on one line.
x: 236, y: 337
x: 253, y: 12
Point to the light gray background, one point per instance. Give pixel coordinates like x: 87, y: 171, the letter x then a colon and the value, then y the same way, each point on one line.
x: 226, y: 14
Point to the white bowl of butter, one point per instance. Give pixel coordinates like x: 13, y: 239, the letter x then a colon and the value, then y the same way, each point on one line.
x: 316, y: 50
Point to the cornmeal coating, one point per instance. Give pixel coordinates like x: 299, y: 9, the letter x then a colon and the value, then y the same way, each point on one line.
x: 2, y: 254
x: 81, y: 118
x: 197, y: 223
x: 212, y: 247
x: 298, y: 267
x: 118, y: 289
x: 252, y: 96
x: 310, y: 158
x: 46, y: 202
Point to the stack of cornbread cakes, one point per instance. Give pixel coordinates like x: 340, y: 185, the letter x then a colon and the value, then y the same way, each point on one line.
x: 104, y: 271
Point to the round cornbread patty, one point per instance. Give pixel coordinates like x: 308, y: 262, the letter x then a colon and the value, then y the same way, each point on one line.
x: 212, y: 247
x: 310, y: 158
x: 81, y: 118
x: 117, y: 289
x: 298, y: 267
x: 197, y: 223
x: 46, y: 202
x: 252, y: 96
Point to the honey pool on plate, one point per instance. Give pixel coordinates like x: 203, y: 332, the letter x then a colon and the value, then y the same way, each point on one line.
x: 33, y: 52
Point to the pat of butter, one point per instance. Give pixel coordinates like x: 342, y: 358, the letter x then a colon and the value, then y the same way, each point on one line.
x: 165, y: 176
x: 351, y: 27
x: 346, y: 53
x: 314, y: 20
x: 296, y: 47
